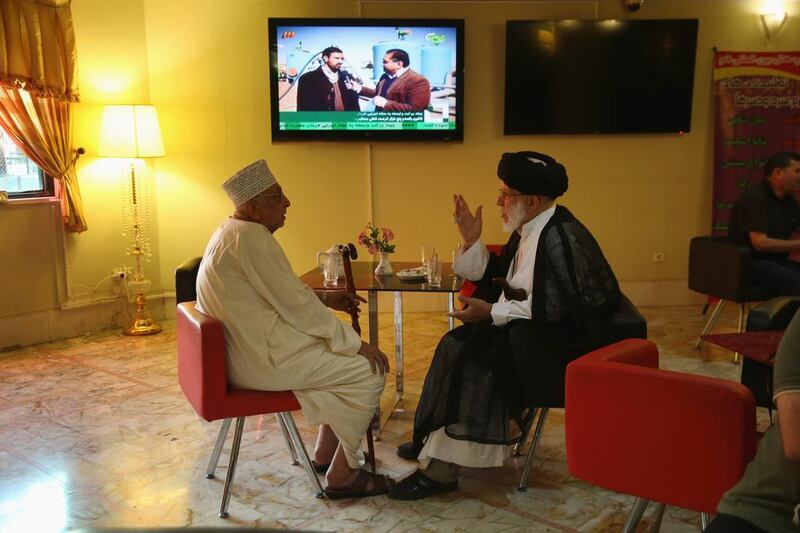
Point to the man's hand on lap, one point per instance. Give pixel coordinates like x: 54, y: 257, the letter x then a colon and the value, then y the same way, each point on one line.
x: 475, y: 310
x: 377, y: 359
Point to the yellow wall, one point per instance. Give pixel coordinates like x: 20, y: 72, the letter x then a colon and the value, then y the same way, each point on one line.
x: 204, y: 64
x: 112, y: 68
x: 638, y: 193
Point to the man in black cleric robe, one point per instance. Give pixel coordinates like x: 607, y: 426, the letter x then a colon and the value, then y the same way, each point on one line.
x: 512, y: 351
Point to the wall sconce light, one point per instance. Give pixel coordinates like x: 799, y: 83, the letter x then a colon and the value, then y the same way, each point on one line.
x: 633, y: 5
x: 773, y: 22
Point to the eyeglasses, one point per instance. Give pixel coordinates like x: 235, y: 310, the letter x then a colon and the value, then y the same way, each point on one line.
x: 274, y: 195
x: 506, y: 194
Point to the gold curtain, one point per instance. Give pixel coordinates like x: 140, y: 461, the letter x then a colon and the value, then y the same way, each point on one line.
x: 38, y: 82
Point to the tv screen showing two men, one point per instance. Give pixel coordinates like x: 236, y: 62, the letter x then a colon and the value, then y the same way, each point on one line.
x: 365, y: 78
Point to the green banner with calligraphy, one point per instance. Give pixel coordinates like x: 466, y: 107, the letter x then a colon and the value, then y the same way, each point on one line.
x: 757, y: 113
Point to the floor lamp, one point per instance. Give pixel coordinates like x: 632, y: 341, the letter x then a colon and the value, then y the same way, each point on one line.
x: 131, y: 132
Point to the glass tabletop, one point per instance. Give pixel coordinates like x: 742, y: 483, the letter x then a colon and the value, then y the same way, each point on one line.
x: 365, y: 280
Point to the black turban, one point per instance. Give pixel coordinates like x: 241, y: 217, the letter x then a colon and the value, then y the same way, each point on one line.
x: 533, y: 173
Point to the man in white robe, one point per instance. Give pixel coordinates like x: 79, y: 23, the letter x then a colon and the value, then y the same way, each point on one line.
x: 280, y: 336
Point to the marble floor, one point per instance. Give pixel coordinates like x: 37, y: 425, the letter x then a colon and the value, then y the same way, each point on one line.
x: 94, y: 431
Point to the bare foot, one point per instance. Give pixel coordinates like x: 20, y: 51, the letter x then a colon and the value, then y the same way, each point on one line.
x: 326, y: 445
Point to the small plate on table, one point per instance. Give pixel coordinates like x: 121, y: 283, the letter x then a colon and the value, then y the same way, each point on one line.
x: 412, y: 274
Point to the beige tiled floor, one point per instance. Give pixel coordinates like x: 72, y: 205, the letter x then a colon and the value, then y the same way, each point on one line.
x: 95, y: 431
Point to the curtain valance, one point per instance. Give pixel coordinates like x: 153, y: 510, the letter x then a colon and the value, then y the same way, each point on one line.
x: 37, y: 48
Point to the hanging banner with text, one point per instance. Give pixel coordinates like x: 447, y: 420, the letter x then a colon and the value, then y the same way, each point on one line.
x: 757, y: 99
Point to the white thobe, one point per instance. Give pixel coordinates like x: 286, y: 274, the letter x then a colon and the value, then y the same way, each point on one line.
x: 471, y: 264
x: 279, y: 336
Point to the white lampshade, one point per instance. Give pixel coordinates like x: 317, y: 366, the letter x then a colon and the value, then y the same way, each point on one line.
x: 130, y: 131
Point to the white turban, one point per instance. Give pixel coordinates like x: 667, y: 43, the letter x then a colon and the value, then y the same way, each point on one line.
x: 248, y: 182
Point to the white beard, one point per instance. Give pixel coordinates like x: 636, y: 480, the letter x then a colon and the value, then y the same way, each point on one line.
x: 516, y: 216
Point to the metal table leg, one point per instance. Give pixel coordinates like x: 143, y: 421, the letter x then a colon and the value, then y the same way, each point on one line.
x: 372, y: 306
x: 398, y: 343
x: 451, y: 306
x: 398, y: 357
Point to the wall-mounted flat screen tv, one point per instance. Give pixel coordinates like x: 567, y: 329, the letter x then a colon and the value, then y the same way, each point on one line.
x: 599, y: 76
x: 367, y: 79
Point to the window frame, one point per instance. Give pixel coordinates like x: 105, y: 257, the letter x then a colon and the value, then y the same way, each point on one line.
x: 48, y: 189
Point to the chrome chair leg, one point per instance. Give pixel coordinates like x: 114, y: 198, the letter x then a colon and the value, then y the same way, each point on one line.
x: 635, y: 516
x: 226, y: 490
x: 301, y: 450
x: 704, y: 521
x: 288, y: 440
x: 526, y: 429
x: 537, y: 435
x: 712, y: 320
x: 742, y: 315
x: 658, y: 516
x: 220, y: 442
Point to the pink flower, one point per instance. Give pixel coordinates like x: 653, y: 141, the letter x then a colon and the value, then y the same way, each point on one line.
x: 388, y: 234
x: 372, y: 249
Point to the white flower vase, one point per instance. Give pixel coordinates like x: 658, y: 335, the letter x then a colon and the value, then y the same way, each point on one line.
x: 384, y: 268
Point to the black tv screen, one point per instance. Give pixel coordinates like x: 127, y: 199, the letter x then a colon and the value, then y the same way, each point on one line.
x: 599, y: 76
x: 369, y: 79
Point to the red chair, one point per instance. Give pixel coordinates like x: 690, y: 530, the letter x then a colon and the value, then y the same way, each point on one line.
x: 203, y: 377
x: 674, y: 438
x: 467, y: 287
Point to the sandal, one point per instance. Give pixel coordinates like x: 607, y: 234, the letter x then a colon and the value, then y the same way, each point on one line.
x: 322, y: 468
x: 359, y: 488
x: 418, y: 486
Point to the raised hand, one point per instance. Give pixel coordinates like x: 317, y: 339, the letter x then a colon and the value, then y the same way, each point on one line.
x: 469, y: 225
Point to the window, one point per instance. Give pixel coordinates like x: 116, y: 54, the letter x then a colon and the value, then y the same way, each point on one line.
x: 19, y: 175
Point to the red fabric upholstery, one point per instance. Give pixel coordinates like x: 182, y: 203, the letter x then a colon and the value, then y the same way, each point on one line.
x: 468, y: 288
x: 203, y: 376
x: 670, y: 437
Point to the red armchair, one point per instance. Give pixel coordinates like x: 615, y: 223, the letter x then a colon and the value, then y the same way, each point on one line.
x: 203, y: 377
x: 674, y: 438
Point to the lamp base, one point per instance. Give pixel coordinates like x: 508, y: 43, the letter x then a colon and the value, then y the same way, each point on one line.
x: 142, y: 324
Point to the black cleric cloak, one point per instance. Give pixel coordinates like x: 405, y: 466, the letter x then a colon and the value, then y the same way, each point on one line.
x: 483, y: 375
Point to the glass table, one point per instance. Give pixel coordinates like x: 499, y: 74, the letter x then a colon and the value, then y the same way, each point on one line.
x: 364, y: 279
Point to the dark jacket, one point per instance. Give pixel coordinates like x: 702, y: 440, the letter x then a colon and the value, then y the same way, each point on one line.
x: 315, y: 93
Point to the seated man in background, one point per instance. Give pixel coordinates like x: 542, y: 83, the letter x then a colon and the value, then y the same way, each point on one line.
x: 280, y: 336
x: 767, y: 498
x: 764, y: 218
x: 512, y: 353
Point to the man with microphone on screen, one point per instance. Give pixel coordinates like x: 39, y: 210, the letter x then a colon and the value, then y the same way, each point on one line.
x: 400, y: 88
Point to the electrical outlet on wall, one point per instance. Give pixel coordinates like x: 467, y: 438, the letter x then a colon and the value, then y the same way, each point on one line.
x: 658, y: 257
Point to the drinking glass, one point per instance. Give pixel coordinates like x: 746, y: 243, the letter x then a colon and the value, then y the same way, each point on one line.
x: 427, y: 252
x: 330, y: 268
x: 433, y: 269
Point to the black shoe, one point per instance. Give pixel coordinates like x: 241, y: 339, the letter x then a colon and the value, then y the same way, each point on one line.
x: 409, y: 450
x: 418, y: 486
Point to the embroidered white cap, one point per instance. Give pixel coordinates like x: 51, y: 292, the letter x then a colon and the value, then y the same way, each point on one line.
x: 248, y: 182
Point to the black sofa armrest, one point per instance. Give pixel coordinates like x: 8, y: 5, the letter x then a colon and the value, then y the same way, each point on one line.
x: 719, y: 267
x: 774, y: 314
